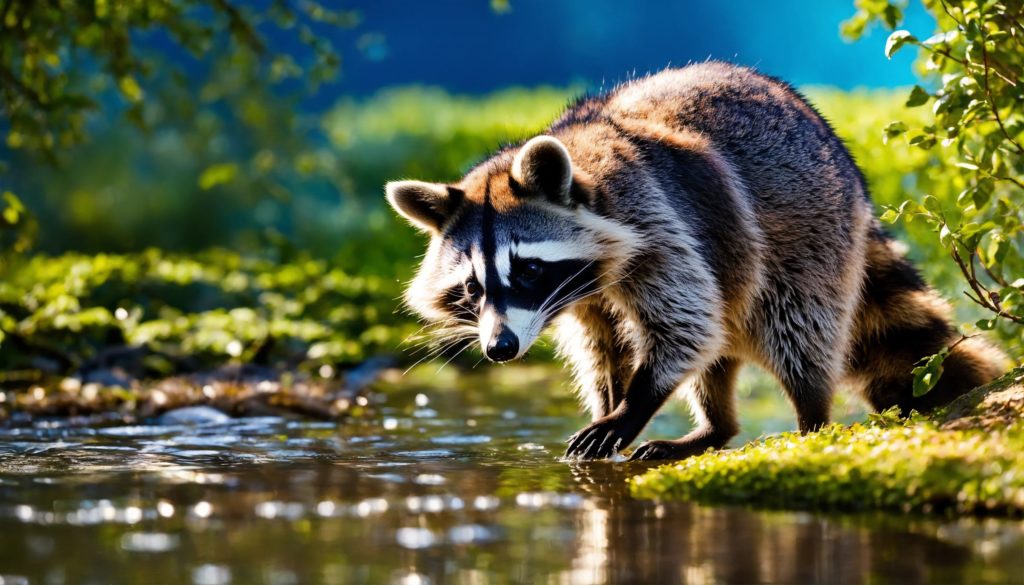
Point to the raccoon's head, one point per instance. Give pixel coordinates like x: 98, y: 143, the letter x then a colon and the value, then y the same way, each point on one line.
x: 512, y: 244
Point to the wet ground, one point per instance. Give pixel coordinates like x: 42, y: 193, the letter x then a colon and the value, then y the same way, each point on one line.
x: 442, y: 485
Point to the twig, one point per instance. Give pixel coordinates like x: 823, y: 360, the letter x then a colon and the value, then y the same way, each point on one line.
x: 29, y: 93
x: 992, y: 101
x: 985, y: 298
x: 241, y: 26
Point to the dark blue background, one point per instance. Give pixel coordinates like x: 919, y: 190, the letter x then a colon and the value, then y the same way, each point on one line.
x: 466, y: 46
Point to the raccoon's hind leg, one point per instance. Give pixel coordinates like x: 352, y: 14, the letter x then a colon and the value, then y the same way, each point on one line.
x: 803, y: 336
x: 601, y: 364
x: 712, y: 402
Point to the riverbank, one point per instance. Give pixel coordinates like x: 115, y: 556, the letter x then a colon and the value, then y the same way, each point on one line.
x: 966, y: 459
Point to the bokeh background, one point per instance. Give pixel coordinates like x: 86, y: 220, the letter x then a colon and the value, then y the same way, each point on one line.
x: 424, y: 89
x: 227, y: 203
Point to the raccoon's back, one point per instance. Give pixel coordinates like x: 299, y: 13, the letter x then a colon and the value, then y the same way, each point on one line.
x: 769, y: 132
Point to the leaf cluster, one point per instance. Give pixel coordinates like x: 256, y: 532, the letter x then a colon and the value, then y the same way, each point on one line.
x: 967, y: 189
x: 62, y: 59
x: 196, y: 311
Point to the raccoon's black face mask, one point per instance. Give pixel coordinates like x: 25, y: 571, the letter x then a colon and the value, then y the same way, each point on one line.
x: 510, y: 249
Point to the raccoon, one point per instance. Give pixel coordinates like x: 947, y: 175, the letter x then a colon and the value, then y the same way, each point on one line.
x: 672, y: 229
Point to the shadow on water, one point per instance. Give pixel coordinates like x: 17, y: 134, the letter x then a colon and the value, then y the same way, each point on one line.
x: 445, y: 486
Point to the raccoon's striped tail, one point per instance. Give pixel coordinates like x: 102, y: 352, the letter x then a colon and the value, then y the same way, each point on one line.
x: 902, y: 320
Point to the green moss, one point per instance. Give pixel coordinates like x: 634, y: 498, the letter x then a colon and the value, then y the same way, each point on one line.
x: 921, y: 465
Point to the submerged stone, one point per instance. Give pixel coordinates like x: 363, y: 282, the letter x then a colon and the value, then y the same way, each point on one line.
x: 193, y: 415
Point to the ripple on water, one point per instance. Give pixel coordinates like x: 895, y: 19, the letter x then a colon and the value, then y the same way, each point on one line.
x: 151, y: 542
x: 388, y: 477
x: 471, y: 534
x: 415, y: 538
x: 460, y: 439
x: 210, y: 574
x: 433, y: 504
x: 286, y: 510
x: 426, y: 453
x: 430, y: 479
x: 140, y: 431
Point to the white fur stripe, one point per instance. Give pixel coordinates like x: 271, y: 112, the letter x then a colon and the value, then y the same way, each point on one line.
x: 479, y: 264
x: 522, y: 322
x: 548, y: 250
x: 503, y: 262
x: 488, y: 327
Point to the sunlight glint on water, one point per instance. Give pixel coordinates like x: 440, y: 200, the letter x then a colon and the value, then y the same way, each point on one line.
x: 444, y: 485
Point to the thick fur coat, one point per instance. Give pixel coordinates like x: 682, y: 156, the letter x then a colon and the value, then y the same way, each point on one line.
x: 674, y: 228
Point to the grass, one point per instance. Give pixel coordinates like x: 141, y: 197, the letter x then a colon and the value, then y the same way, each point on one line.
x: 969, y: 458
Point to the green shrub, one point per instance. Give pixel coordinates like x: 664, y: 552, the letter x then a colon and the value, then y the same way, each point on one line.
x: 969, y: 122
x: 202, y: 309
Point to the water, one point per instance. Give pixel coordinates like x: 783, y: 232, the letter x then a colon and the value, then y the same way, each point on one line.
x: 440, y: 486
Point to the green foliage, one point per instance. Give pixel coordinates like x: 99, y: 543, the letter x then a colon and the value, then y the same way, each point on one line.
x: 206, y: 309
x: 967, y: 188
x: 17, y: 227
x: 886, y: 463
x: 61, y: 59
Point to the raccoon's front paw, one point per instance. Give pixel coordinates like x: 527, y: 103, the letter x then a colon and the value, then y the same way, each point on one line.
x: 601, y: 439
x: 670, y: 450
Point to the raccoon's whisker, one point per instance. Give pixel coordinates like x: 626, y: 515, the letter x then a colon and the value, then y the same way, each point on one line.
x: 570, y: 298
x: 436, y: 352
x: 442, y: 334
x: 457, y: 354
x: 555, y: 292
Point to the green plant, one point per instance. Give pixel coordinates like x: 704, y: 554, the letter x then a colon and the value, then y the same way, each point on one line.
x: 967, y: 190
x: 201, y: 310
x: 968, y: 462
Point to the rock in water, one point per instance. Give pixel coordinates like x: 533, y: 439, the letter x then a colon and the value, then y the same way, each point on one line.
x: 193, y: 415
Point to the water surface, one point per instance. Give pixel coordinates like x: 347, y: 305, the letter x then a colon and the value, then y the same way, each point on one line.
x: 440, y: 485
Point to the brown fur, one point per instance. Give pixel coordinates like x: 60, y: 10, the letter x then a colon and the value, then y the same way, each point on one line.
x: 726, y: 223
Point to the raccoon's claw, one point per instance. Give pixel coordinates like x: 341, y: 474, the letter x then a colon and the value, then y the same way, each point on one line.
x: 653, y: 451
x: 668, y: 450
x: 600, y: 440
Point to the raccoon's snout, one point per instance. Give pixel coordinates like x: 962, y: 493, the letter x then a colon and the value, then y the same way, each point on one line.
x: 503, y: 346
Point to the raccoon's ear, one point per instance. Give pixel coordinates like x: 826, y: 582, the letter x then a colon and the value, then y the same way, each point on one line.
x: 426, y: 205
x: 543, y: 165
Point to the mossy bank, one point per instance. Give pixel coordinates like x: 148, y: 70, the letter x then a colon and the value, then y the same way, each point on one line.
x: 968, y: 458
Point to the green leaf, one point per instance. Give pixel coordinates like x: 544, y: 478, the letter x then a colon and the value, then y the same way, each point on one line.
x: 892, y: 130
x: 918, y: 97
x: 890, y: 216
x: 940, y: 38
x: 923, y: 141
x: 218, y: 174
x: 928, y: 374
x: 130, y: 89
x: 986, y: 324
x: 896, y: 41
x: 945, y: 235
x: 892, y: 15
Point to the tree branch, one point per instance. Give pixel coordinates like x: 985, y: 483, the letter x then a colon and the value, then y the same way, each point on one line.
x: 985, y: 298
x: 30, y: 94
x: 241, y: 26
x: 992, y: 101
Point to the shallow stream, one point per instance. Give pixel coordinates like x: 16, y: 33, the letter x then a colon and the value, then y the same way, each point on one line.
x: 442, y: 484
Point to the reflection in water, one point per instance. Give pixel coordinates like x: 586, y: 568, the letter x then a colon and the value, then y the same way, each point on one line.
x: 423, y: 495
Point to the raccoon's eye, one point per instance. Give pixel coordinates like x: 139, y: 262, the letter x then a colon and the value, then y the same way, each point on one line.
x: 530, y: 272
x: 473, y: 288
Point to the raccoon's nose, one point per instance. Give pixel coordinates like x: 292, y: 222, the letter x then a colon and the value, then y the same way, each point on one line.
x: 503, y: 347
